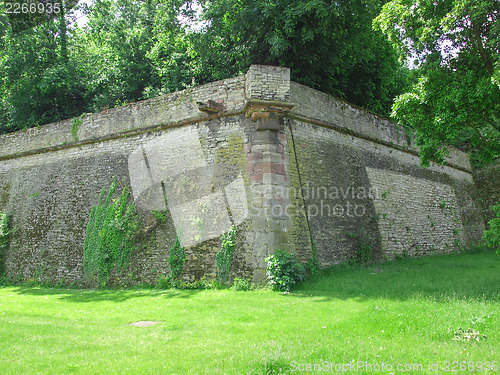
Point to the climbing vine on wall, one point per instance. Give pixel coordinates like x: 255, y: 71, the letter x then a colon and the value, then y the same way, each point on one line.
x: 109, y: 240
x: 77, y: 122
x: 176, y: 259
x: 224, y: 256
x: 5, y: 232
x: 312, y: 266
x: 364, y: 248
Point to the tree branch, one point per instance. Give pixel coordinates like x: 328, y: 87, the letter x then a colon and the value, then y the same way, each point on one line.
x: 485, y: 56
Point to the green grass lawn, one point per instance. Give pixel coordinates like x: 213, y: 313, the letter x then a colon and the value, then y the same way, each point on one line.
x: 404, y: 312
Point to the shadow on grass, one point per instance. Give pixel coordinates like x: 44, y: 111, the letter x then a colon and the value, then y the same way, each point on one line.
x: 112, y: 295
x: 469, y: 276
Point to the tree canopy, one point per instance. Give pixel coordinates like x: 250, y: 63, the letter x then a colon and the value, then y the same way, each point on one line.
x: 131, y: 50
x: 455, y: 96
x: 327, y: 45
x: 39, y: 82
x: 56, y: 70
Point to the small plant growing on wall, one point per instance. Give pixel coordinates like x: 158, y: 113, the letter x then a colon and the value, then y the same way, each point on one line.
x: 364, y: 248
x: 442, y: 204
x: 77, y: 122
x: 492, y: 235
x: 224, y: 256
x: 176, y: 259
x: 5, y: 233
x: 109, y: 239
x: 160, y: 216
x: 312, y: 266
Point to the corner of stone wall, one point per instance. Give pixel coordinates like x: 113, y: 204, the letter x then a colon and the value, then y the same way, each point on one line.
x: 487, y: 181
x: 266, y: 82
x: 267, y: 94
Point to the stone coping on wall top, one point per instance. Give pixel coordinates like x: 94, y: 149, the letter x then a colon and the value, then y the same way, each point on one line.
x: 170, y: 110
x: 180, y: 108
x: 319, y: 108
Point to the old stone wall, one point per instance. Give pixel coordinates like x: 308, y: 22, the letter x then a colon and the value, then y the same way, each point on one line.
x: 487, y: 180
x: 288, y: 166
x: 363, y: 182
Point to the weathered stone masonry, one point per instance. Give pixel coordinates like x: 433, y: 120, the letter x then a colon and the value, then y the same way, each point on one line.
x: 488, y: 184
x: 286, y: 164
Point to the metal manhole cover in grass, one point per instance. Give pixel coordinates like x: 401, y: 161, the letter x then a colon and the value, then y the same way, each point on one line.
x: 143, y: 323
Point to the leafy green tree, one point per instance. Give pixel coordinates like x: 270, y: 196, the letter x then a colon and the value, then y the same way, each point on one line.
x: 328, y: 45
x: 4, y: 103
x: 172, y: 53
x: 112, y: 50
x: 40, y: 83
x: 130, y: 51
x: 455, y: 97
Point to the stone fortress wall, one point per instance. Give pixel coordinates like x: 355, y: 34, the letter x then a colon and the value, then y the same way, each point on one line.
x: 287, y: 165
x: 487, y: 181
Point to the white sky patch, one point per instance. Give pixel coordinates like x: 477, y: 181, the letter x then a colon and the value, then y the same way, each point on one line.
x: 446, y: 48
x: 81, y: 18
x: 195, y: 24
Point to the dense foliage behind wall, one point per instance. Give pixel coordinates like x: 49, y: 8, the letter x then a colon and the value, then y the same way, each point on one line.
x: 130, y: 51
x: 328, y: 45
x: 455, y: 95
